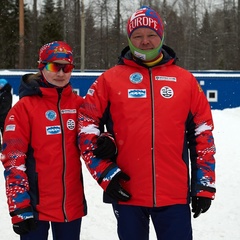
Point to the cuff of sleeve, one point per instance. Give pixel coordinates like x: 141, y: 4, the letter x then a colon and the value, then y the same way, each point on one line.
x: 21, y: 217
x: 108, y: 177
x: 206, y: 194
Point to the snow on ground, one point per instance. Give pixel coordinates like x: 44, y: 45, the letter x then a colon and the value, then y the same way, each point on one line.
x: 221, y: 222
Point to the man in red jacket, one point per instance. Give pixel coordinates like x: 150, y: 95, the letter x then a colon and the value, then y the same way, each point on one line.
x: 162, y: 124
x: 41, y: 157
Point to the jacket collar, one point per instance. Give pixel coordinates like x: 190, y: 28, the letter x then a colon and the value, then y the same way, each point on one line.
x: 169, y: 57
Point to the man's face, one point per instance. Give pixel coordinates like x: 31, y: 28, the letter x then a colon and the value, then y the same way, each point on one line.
x: 145, y: 38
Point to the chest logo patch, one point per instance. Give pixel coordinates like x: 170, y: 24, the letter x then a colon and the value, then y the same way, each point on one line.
x: 68, y: 111
x: 51, y: 115
x: 71, y: 124
x: 164, y: 78
x: 53, y: 130
x: 137, y: 93
x: 136, y: 78
x: 166, y: 92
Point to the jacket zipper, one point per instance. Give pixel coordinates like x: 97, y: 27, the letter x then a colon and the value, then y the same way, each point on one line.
x: 64, y: 156
x: 153, y: 139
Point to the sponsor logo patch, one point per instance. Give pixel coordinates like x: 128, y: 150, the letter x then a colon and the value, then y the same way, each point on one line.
x: 166, y: 92
x: 51, y: 115
x: 65, y: 111
x: 164, y: 78
x: 10, y: 127
x: 70, y: 124
x: 53, y: 130
x: 11, y: 117
x: 136, y: 78
x: 137, y: 93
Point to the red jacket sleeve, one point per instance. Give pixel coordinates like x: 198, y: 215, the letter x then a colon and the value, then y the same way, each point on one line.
x: 90, y: 113
x: 202, y: 147
x: 15, y: 144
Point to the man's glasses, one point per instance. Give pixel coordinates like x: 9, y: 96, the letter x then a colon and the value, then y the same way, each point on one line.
x: 56, y: 67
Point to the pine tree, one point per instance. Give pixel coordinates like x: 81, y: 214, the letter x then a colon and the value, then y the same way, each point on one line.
x: 51, y: 23
x: 9, y: 33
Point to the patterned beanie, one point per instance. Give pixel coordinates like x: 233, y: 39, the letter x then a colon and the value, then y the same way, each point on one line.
x: 55, y: 51
x: 145, y: 17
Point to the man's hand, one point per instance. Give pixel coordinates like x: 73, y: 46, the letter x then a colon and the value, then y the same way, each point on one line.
x: 115, y: 190
x: 106, y: 147
x: 25, y: 226
x: 200, y: 205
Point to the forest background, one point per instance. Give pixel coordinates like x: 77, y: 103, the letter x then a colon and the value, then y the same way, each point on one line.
x: 205, y: 35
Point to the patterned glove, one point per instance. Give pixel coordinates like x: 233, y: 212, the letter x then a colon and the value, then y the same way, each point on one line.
x: 106, y: 147
x: 23, y: 220
x: 25, y: 226
x: 200, y: 205
x: 115, y: 190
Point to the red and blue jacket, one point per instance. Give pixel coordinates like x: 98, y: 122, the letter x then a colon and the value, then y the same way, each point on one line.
x: 41, y: 157
x: 162, y: 125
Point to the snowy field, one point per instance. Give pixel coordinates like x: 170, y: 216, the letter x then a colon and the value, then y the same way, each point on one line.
x: 221, y: 222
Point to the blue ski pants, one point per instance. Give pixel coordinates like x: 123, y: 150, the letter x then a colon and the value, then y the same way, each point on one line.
x: 170, y: 222
x: 60, y: 231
